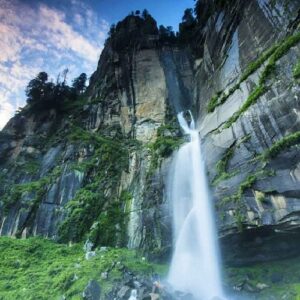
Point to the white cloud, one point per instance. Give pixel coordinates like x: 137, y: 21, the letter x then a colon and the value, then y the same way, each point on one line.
x: 36, y: 38
x: 6, y: 109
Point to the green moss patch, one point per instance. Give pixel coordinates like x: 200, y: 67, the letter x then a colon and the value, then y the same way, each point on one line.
x: 221, y: 166
x: 236, y: 198
x: 253, y: 97
x: 286, y: 142
x: 166, y: 142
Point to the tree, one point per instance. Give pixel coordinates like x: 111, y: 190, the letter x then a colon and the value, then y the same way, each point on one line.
x: 42, y: 77
x: 37, y: 88
x: 167, y: 34
x: 186, y: 27
x: 137, y: 12
x: 64, y: 75
x: 188, y: 17
x: 79, y: 83
x: 150, y: 25
x: 145, y: 13
x: 42, y: 94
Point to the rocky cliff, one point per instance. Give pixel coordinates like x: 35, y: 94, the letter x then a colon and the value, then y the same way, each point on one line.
x: 246, y: 95
x: 97, y: 170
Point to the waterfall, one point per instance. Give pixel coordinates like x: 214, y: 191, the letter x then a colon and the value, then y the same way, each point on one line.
x: 195, y: 266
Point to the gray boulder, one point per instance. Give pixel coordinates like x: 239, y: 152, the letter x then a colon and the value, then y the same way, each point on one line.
x: 92, y: 291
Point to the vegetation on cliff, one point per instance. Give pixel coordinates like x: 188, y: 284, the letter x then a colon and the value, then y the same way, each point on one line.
x: 270, y: 56
x: 97, y: 209
x: 43, y: 94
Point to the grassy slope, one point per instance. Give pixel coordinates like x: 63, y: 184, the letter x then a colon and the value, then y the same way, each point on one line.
x: 41, y: 269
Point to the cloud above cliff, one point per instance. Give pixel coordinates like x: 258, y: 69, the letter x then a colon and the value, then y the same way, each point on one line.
x: 39, y: 37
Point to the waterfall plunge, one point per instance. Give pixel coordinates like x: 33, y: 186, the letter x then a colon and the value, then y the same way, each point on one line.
x: 195, y: 265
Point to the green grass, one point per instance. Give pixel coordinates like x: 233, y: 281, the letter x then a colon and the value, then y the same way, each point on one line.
x: 39, y: 269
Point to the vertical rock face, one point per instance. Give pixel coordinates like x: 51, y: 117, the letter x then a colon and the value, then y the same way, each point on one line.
x: 91, y: 171
x: 98, y: 169
x: 247, y: 101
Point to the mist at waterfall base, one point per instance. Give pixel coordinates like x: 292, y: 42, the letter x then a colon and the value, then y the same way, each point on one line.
x: 195, y: 266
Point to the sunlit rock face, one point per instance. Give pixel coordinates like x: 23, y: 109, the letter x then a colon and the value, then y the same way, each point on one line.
x: 139, y: 86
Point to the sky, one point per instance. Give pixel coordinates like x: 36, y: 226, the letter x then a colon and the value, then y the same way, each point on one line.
x: 52, y: 35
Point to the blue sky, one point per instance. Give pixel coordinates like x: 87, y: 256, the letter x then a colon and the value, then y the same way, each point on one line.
x: 57, y: 34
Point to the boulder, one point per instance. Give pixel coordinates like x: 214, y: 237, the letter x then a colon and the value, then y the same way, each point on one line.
x: 92, y: 291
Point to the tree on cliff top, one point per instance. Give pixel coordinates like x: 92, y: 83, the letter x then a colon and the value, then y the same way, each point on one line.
x: 39, y: 89
x: 43, y: 94
x: 187, y: 26
x: 79, y: 83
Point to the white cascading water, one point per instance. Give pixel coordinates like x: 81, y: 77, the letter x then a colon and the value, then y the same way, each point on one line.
x: 195, y: 265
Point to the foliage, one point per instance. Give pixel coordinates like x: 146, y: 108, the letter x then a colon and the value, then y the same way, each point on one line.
x: 166, y: 34
x: 280, y: 51
x: 166, y: 142
x: 34, y: 189
x: 43, y: 94
x: 91, y: 208
x: 213, y: 103
x: 79, y: 83
x: 253, y: 97
x: 83, y: 210
x: 130, y: 32
x: 286, y: 142
x: 39, y: 269
x: 221, y: 166
x: 187, y: 26
x: 246, y: 184
x: 110, y: 227
x: 260, y: 196
x: 31, y: 166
